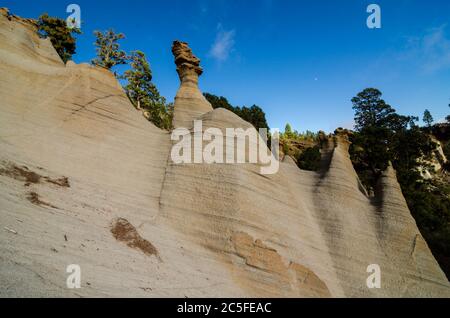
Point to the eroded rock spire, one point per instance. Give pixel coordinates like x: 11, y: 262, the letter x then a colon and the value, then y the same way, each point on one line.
x: 189, y: 101
x: 187, y: 63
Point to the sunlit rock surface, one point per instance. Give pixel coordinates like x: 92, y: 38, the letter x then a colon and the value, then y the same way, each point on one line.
x: 85, y: 179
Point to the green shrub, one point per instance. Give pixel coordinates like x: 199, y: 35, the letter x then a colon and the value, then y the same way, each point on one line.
x: 309, y: 159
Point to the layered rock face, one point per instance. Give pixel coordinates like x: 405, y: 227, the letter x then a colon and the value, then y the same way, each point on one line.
x: 85, y: 179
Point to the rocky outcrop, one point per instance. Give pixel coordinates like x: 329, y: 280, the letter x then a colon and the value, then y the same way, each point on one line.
x: 187, y: 63
x: 189, y: 101
x: 433, y: 167
x: 140, y: 225
x: 72, y: 122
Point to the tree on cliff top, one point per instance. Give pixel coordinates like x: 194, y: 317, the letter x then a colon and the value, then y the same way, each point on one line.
x: 144, y: 94
x: 378, y: 129
x: 370, y: 109
x: 427, y: 118
x: 108, y: 49
x: 371, y: 122
x: 139, y: 86
x: 59, y: 34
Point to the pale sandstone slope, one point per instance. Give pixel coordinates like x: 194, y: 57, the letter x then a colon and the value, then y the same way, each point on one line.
x: 216, y: 230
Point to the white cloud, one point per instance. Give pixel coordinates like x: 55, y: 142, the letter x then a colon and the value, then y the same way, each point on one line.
x: 432, y: 50
x: 223, y: 44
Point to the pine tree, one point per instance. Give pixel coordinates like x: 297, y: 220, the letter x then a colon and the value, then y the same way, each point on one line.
x: 427, y: 118
x: 143, y: 93
x: 288, y: 130
x: 108, y: 49
x: 370, y: 109
x: 375, y: 121
x: 59, y: 34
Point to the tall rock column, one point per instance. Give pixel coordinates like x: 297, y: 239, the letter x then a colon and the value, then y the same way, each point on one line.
x: 189, y: 101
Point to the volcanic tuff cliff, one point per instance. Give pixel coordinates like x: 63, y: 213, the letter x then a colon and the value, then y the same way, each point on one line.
x: 85, y: 179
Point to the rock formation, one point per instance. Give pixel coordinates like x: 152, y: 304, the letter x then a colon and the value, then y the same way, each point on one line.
x: 189, y: 101
x: 84, y: 179
x: 187, y: 63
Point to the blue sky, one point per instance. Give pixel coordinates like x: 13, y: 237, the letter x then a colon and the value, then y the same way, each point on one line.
x: 302, y: 61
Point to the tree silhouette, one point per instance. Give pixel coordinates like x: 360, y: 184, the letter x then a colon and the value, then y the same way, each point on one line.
x: 427, y: 118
